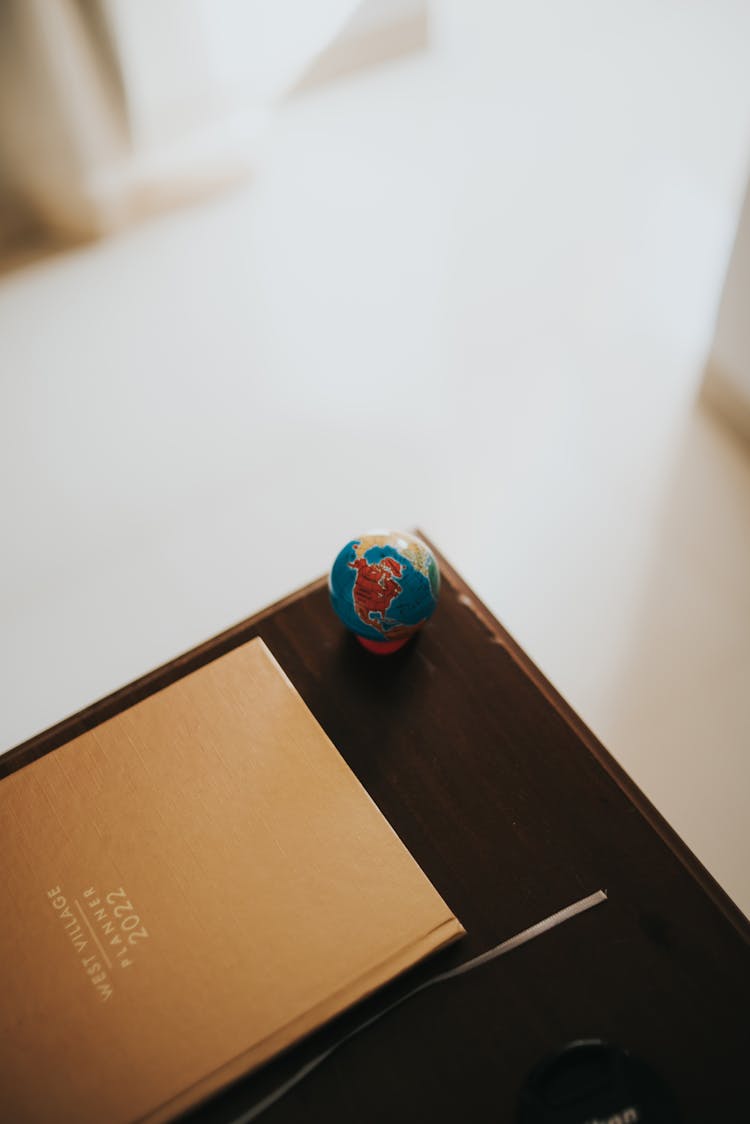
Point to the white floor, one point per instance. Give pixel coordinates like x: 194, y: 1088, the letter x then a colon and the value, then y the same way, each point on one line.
x: 474, y: 291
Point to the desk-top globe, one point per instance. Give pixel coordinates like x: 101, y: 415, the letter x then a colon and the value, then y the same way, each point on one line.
x: 384, y: 586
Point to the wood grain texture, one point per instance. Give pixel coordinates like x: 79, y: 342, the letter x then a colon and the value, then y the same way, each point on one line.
x: 514, y: 810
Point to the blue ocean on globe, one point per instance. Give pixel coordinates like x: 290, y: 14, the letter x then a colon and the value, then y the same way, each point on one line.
x: 384, y: 587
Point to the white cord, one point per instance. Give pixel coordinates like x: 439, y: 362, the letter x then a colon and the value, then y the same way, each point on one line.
x: 484, y: 958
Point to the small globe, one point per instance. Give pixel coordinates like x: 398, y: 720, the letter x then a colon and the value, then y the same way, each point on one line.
x: 384, y: 586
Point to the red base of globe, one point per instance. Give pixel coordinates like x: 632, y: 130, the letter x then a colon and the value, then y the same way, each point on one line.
x: 382, y: 647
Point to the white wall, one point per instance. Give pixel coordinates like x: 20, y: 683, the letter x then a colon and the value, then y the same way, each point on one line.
x: 111, y: 110
x: 728, y: 376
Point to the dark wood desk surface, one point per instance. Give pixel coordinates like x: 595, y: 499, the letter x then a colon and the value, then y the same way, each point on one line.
x: 514, y: 810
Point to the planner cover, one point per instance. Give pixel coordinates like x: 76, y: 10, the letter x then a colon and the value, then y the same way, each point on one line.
x: 187, y: 889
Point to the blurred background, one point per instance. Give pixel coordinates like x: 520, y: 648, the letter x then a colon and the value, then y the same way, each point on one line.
x: 272, y: 274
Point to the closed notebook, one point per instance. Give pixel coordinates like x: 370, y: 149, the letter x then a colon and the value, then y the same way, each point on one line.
x: 187, y: 889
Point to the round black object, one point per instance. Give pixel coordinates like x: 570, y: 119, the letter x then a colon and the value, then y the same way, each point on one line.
x: 591, y: 1082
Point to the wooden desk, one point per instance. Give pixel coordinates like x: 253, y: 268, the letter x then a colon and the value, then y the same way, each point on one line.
x: 514, y: 810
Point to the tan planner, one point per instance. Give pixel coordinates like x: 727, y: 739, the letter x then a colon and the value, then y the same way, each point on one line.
x: 187, y: 889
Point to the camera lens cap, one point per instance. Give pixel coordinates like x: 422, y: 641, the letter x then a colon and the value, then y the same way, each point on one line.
x: 593, y: 1082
